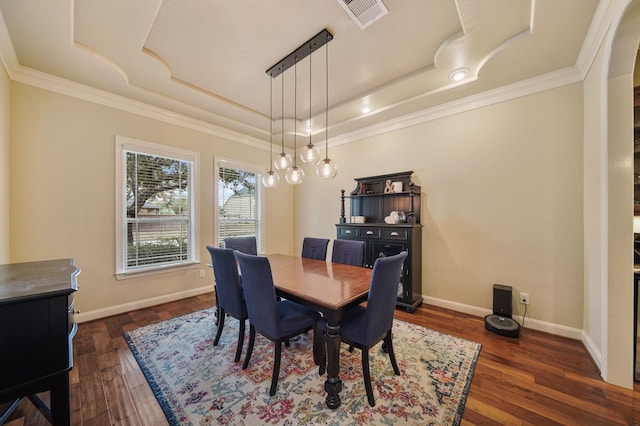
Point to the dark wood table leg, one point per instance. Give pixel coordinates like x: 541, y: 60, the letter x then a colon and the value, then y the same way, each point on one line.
x: 60, y: 407
x: 333, y: 384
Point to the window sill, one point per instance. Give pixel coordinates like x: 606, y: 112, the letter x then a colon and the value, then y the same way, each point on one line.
x: 155, y: 271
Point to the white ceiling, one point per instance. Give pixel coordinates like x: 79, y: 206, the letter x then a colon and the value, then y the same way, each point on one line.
x: 204, y: 61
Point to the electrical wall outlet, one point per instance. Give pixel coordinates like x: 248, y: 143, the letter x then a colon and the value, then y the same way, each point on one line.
x: 524, y: 298
x: 201, y: 273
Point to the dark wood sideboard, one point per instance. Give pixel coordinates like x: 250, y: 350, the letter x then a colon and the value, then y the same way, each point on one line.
x: 36, y: 331
x: 373, y: 199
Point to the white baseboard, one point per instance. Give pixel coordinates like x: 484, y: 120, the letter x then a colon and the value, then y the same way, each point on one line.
x: 559, y: 330
x: 139, y: 304
x: 533, y: 324
x: 593, y: 351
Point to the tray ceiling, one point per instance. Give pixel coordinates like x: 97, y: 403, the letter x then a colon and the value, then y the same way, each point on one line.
x: 206, y: 61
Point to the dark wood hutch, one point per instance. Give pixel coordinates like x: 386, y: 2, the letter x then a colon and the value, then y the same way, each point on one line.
x: 375, y: 198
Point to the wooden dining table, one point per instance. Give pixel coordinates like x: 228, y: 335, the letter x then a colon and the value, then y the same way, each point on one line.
x: 330, y: 288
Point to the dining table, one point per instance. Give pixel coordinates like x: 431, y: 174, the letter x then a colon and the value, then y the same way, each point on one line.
x: 331, y: 289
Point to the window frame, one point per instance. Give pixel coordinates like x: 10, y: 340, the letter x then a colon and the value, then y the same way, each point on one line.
x: 123, y: 145
x: 228, y: 163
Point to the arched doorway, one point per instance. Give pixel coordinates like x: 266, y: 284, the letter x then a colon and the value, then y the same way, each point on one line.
x: 617, y: 288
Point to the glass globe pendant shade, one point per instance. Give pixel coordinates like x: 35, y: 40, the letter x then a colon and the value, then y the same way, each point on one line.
x: 327, y: 169
x: 283, y: 161
x: 310, y: 154
x: 270, y: 179
x: 294, y: 175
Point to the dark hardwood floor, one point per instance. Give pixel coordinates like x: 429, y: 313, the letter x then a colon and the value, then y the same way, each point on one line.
x: 537, y: 379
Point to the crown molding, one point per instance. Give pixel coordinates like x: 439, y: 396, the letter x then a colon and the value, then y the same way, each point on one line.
x: 603, y: 18
x: 65, y: 87
x: 527, y: 87
x: 29, y: 76
x: 62, y: 86
x: 606, y: 14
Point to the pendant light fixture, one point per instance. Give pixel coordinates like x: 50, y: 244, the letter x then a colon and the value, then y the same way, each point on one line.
x: 295, y: 174
x: 310, y: 153
x: 326, y: 168
x: 271, y: 178
x: 283, y: 162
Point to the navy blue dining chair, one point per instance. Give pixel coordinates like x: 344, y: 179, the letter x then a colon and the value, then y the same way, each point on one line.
x: 229, y: 294
x: 276, y: 320
x: 348, y: 252
x: 315, y: 248
x: 243, y: 244
x: 364, y: 327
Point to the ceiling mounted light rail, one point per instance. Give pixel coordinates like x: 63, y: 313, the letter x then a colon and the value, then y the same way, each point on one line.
x: 325, y: 167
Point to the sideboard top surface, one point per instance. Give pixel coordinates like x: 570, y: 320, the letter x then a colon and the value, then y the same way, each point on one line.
x: 20, y: 281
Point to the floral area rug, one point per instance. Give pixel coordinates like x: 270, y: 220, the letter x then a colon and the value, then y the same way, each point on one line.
x: 197, y: 383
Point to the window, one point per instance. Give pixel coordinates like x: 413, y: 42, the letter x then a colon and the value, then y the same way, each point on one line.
x: 238, y: 201
x: 156, y: 206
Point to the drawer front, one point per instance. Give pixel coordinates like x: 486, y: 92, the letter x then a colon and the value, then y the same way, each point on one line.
x: 368, y: 232
x: 344, y: 232
x: 395, y: 234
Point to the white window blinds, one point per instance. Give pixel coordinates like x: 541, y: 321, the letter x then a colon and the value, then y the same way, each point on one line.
x: 238, y: 201
x: 157, y: 209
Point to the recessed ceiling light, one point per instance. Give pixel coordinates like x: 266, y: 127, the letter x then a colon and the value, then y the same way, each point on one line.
x: 365, y: 109
x: 459, y: 74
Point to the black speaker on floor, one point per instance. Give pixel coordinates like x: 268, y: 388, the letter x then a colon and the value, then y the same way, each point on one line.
x: 501, y: 322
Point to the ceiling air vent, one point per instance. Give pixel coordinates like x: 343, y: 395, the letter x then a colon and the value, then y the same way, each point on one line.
x: 364, y: 12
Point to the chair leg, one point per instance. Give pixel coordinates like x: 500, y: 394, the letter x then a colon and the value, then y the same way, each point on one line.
x: 221, y: 316
x: 240, y: 341
x: 217, y: 311
x: 252, y: 338
x: 276, y: 367
x: 392, y: 356
x: 367, y: 377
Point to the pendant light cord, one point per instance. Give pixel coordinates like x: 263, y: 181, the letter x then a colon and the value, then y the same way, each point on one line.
x: 282, y: 111
x: 270, y: 124
x: 326, y: 109
x: 310, y: 81
x: 295, y: 111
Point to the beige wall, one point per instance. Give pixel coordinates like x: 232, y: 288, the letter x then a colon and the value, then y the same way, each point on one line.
x: 62, y: 197
x: 595, y: 213
x: 4, y: 165
x: 502, y: 196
